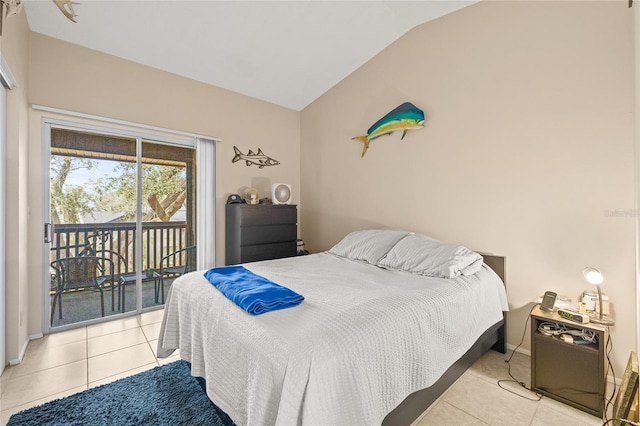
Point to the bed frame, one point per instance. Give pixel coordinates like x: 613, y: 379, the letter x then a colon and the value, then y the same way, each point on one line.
x: 494, y: 338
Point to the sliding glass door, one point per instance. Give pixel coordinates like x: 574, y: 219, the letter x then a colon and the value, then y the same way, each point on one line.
x: 122, y: 223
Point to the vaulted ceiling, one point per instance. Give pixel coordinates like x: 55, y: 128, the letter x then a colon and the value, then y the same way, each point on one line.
x: 285, y: 52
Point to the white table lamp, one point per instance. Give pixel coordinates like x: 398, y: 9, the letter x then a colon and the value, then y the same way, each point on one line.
x: 594, y: 276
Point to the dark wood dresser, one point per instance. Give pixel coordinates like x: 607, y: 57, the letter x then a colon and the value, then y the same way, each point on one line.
x: 260, y: 232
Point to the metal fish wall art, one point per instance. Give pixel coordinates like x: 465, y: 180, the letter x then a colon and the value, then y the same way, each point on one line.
x: 258, y: 159
x: 405, y: 117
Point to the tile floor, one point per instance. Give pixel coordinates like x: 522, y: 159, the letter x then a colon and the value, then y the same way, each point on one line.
x: 476, y: 399
x: 64, y: 363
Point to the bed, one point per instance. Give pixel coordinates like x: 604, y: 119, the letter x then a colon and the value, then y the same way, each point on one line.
x: 389, y: 320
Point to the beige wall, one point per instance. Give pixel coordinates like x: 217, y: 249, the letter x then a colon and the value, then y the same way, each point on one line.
x: 528, y: 145
x: 66, y: 76
x: 15, y: 48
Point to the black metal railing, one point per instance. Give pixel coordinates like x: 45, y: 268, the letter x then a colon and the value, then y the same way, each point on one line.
x: 158, y: 240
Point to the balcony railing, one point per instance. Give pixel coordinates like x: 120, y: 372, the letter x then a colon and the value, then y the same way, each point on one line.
x: 118, y: 243
x: 158, y: 240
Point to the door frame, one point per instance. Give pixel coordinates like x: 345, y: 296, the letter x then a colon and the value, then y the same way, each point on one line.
x: 140, y: 133
x: 7, y: 82
x: 3, y: 260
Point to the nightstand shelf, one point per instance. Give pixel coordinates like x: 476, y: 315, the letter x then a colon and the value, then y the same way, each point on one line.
x: 567, y: 372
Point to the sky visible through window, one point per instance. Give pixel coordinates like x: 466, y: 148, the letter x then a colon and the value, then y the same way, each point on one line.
x: 100, y: 169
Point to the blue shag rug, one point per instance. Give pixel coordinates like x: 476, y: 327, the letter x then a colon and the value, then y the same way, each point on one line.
x: 166, y: 395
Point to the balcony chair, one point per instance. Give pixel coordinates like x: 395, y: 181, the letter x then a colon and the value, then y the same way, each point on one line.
x: 78, y: 274
x: 173, y: 265
x: 130, y: 278
x: 120, y: 270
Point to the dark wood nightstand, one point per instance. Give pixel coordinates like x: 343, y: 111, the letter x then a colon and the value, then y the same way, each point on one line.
x: 568, y: 372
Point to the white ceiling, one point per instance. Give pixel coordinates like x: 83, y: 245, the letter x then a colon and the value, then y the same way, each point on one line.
x: 284, y: 52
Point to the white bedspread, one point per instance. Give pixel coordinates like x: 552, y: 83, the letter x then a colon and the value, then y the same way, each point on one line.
x: 363, y: 339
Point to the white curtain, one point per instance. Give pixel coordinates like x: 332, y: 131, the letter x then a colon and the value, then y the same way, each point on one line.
x: 206, y: 202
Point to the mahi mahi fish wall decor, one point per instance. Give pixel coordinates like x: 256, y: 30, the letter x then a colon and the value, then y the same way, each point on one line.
x: 405, y: 117
x: 258, y: 159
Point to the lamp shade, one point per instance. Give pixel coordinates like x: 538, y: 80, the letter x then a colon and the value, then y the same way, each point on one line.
x: 593, y: 275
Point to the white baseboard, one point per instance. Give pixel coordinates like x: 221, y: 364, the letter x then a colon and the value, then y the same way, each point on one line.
x: 24, y: 349
x: 36, y: 336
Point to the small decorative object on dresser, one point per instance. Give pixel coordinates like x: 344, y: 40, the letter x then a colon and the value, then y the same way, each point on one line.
x: 234, y: 198
x: 281, y: 193
x: 251, y: 196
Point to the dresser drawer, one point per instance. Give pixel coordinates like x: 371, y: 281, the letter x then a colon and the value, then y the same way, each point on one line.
x: 267, y: 234
x: 268, y: 215
x: 268, y: 251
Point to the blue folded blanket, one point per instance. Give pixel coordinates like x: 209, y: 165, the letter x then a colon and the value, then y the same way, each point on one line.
x: 251, y: 292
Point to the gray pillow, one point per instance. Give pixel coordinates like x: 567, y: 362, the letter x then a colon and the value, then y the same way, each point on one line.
x: 369, y: 245
x: 422, y: 255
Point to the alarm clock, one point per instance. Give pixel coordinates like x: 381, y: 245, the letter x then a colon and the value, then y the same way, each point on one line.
x: 573, y: 316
